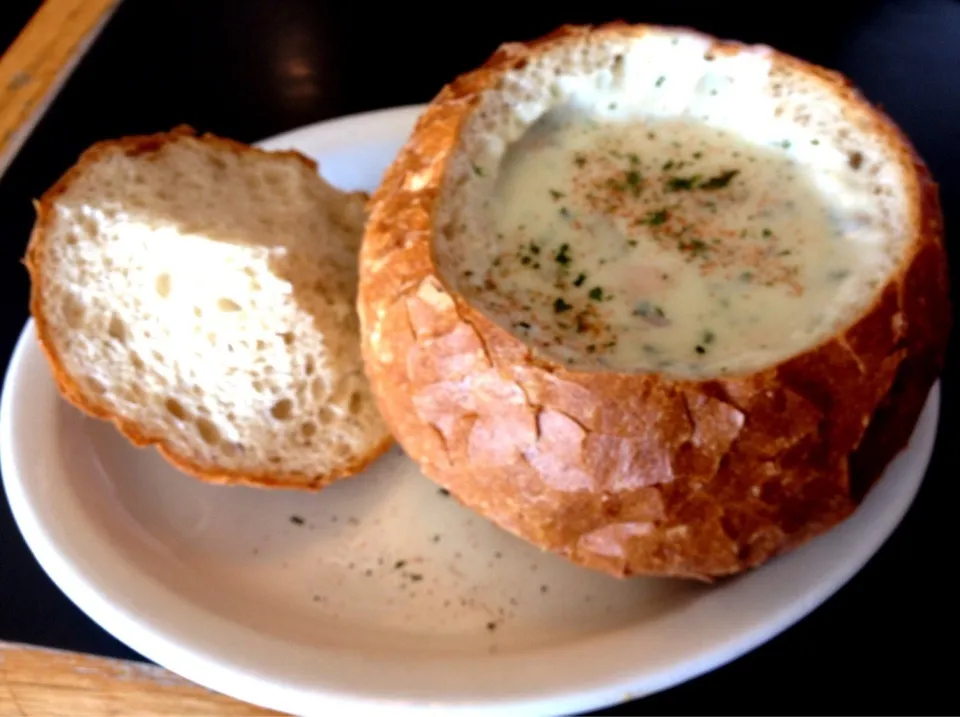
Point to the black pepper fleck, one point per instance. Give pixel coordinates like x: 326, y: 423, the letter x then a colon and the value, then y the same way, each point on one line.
x: 560, y: 306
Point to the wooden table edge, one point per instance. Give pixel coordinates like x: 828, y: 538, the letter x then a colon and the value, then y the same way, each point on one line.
x: 41, y: 682
x: 40, y: 60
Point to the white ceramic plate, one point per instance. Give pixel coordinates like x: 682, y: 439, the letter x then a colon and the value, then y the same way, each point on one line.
x: 378, y: 592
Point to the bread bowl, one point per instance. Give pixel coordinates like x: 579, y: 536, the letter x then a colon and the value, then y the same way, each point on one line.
x: 650, y: 357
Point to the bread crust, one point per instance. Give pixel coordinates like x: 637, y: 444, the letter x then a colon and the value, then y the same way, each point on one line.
x: 74, y: 393
x: 636, y: 474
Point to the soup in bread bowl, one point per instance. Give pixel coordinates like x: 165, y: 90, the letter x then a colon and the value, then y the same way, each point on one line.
x: 663, y: 304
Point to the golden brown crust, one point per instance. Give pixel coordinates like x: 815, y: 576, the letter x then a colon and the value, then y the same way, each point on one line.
x: 68, y: 386
x: 637, y: 473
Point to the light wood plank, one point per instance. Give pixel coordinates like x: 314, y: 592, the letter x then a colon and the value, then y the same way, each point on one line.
x: 37, y: 682
x: 41, y: 58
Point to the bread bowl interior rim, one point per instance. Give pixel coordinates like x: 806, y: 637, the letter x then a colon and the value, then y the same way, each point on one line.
x: 157, y: 622
x: 849, y: 158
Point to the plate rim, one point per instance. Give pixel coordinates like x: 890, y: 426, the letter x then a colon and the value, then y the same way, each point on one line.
x: 148, y: 637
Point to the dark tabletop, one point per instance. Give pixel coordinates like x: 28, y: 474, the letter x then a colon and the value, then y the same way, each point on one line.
x: 885, y: 643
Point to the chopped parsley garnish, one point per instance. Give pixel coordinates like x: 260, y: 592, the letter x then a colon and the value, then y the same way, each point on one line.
x: 596, y: 293
x: 707, y: 338
x: 767, y: 233
x: 696, y: 247
x: 648, y: 310
x: 560, y: 306
x: 676, y: 184
x: 579, y: 280
x: 477, y: 169
x: 660, y: 81
x: 556, y: 194
x: 563, y: 255
x: 721, y: 180
x: 579, y: 160
x: 633, y: 181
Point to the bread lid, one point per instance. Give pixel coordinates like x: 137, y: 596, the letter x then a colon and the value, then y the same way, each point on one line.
x: 199, y: 293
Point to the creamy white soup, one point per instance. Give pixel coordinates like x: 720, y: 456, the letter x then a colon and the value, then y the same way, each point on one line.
x: 663, y: 245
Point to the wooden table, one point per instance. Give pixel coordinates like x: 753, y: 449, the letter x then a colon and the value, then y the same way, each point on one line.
x: 36, y: 682
x: 251, y: 68
x: 40, y: 60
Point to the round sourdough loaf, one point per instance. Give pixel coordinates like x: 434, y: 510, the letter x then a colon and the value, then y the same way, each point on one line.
x: 536, y: 403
